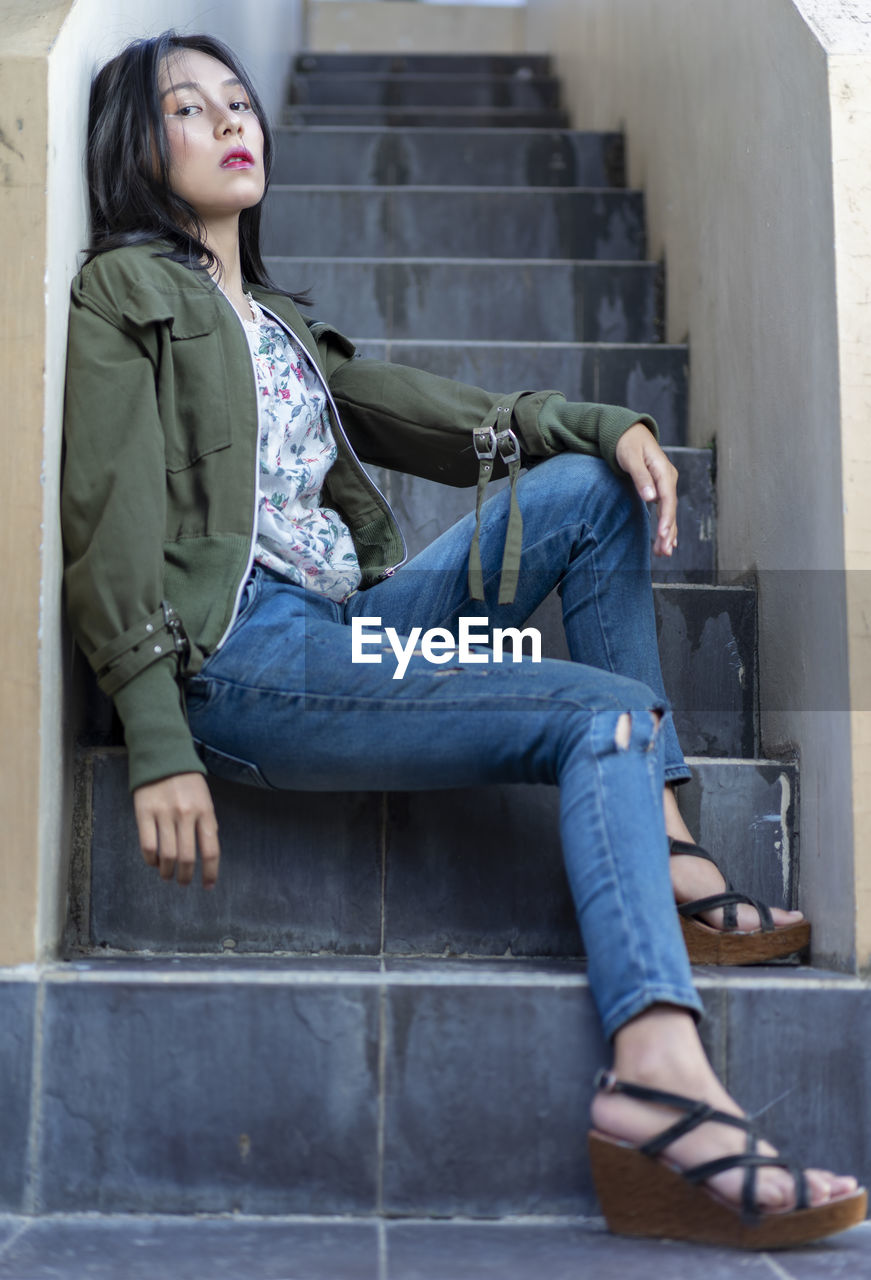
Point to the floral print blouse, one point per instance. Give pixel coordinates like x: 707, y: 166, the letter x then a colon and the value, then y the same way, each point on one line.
x: 296, y: 537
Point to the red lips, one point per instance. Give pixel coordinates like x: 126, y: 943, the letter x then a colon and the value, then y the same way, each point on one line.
x: 238, y: 158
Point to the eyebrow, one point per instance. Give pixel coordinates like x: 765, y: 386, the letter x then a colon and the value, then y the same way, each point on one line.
x: 192, y: 84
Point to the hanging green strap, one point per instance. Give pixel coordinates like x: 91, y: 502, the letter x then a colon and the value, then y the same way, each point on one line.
x: 495, y: 436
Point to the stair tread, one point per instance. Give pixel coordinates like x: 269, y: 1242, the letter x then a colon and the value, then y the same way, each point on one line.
x: 139, y: 1247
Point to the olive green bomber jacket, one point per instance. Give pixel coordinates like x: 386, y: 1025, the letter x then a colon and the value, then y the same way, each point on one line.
x: 161, y: 463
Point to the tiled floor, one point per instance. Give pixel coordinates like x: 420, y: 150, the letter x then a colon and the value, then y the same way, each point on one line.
x: 166, y: 1248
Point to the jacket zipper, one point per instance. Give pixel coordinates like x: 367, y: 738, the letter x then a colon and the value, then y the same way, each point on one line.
x: 388, y: 573
x: 241, y: 587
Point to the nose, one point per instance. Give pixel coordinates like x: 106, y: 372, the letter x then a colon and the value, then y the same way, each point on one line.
x: 228, y: 122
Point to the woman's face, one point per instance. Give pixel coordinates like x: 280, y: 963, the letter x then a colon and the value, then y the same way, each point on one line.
x: 215, y: 139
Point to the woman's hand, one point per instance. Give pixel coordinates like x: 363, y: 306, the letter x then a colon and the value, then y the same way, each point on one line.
x: 655, y: 479
x: 175, y: 815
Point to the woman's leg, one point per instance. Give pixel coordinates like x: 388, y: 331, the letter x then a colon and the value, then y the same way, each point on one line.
x: 585, y: 533
x: 287, y: 695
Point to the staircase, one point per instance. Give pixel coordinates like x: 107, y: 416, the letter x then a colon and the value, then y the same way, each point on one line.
x: 382, y: 1011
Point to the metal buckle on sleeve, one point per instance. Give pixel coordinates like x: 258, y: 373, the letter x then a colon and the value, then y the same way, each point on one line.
x: 508, y: 445
x: 174, y: 626
x: 484, y: 440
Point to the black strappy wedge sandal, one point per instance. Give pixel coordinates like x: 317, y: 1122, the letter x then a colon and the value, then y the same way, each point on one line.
x: 642, y: 1194
x: 707, y: 945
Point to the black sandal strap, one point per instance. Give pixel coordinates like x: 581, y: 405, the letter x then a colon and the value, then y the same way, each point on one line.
x: 728, y: 901
x: 608, y: 1081
x: 698, y: 1113
x: 693, y: 850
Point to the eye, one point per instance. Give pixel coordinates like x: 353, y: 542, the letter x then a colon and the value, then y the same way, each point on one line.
x: 188, y: 110
x: 240, y: 105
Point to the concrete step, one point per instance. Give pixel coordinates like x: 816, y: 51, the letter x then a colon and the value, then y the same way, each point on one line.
x: 423, y: 89
x: 448, y: 157
x: 513, y: 300
x: 425, y: 509
x: 523, y: 65
x: 650, y: 378
x: 420, y: 873
x: 139, y: 1247
x: 348, y: 1088
x: 459, y: 222
x: 427, y: 117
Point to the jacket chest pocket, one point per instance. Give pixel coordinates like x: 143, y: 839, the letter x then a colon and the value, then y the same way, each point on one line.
x: 195, y: 398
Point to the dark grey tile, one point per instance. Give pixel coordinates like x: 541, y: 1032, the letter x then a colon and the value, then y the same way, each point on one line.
x: 427, y: 117
x: 477, y: 871
x: 515, y: 223
x: 442, y: 157
x: 746, y: 814
x: 17, y: 1007
x: 560, y: 1251
x: 423, y: 89
x: 695, y: 559
x: 133, y: 1248
x: 487, y: 1095
x: 189, y: 1097
x: 396, y: 222
x: 528, y: 301
x: 322, y: 891
x: 844, y: 1257
x: 317, y: 222
x: 651, y: 379
x: 707, y: 646
x: 801, y: 1053
x: 446, y: 64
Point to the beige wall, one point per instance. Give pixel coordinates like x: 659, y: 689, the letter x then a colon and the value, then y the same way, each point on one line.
x: 737, y: 121
x: 47, y: 56
x: 405, y: 26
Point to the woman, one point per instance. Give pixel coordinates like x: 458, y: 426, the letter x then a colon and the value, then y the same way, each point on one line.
x: 246, y: 642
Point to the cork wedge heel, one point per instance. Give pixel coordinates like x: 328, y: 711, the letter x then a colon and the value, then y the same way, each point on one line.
x: 642, y: 1194
x: 707, y: 945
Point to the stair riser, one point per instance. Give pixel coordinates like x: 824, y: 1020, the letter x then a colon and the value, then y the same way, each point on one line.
x: 263, y: 1095
x: 362, y: 90
x: 400, y: 223
x: 526, y: 302
x: 652, y: 379
x: 432, y: 157
x: 523, y: 65
x: 426, y: 117
x: 423, y: 872
x: 425, y: 509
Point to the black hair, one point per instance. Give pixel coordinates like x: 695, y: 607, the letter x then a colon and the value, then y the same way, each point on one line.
x: 128, y: 163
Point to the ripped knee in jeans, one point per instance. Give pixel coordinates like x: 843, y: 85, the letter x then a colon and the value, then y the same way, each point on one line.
x: 623, y: 734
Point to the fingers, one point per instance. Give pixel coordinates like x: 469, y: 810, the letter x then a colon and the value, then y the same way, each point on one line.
x: 175, y: 816
x: 655, y: 479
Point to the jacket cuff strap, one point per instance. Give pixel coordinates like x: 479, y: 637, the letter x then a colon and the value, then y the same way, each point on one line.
x: 495, y: 436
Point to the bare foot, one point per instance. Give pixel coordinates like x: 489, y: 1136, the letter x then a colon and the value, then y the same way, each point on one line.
x: 693, y: 878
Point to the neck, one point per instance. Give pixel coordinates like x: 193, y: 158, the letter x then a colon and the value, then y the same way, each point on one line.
x: 223, y: 240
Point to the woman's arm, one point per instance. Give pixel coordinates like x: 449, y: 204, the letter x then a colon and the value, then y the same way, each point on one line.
x: 113, y: 515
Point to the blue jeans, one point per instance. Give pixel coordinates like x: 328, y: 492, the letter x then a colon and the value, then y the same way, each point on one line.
x: 288, y: 702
